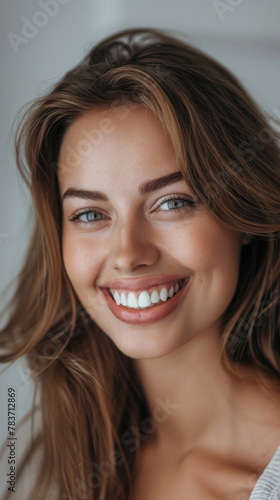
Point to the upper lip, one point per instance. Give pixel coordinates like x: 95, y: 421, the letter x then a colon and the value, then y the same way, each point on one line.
x: 141, y: 283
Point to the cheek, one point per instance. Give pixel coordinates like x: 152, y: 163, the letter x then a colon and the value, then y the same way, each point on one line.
x: 205, y: 244
x: 83, y: 261
x: 222, y: 250
x: 80, y: 258
x: 212, y: 254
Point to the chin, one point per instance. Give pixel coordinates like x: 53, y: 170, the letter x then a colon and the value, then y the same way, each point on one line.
x: 146, y: 348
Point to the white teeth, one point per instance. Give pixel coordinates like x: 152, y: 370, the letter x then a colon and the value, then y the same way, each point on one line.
x: 123, y: 299
x: 117, y: 298
x: 132, y: 301
x: 154, y: 297
x: 171, y: 292
x: 163, y: 294
x: 144, y: 300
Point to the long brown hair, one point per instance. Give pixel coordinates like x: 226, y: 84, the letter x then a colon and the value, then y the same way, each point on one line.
x: 228, y: 152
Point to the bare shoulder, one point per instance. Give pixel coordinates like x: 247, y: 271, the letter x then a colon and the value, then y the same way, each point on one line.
x: 199, y: 477
x: 227, y: 469
x: 202, y: 474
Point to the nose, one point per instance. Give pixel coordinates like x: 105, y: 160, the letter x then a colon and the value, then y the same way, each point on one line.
x: 132, y: 246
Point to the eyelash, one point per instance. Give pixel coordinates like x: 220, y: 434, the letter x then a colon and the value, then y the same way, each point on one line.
x: 190, y: 204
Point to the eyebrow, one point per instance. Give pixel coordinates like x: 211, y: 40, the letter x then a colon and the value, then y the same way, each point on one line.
x: 144, y: 188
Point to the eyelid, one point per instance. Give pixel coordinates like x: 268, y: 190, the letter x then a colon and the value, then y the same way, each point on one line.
x: 184, y: 196
x: 192, y: 202
x: 159, y: 202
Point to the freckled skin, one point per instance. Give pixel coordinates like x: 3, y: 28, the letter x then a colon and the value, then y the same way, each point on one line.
x: 212, y: 417
x: 137, y: 240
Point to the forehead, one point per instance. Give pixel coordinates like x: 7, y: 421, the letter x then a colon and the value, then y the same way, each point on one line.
x: 126, y: 141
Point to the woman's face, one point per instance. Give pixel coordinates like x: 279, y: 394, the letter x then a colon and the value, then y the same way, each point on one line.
x: 124, y: 231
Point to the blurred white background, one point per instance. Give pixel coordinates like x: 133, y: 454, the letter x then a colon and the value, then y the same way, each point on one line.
x: 42, y: 39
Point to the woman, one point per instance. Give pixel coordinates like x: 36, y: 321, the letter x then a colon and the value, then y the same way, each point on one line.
x: 148, y: 304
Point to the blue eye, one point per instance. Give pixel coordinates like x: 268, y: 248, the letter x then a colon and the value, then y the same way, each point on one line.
x: 90, y: 215
x: 175, y: 204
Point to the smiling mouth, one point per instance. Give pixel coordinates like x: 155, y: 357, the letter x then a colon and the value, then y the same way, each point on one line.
x: 146, y: 299
x: 148, y: 313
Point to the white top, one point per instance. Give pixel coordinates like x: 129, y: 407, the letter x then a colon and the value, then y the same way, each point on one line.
x: 267, y: 486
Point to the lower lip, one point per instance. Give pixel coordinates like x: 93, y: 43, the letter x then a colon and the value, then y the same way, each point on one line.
x: 144, y: 316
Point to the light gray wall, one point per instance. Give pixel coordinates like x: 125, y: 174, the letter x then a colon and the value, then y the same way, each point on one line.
x: 242, y: 34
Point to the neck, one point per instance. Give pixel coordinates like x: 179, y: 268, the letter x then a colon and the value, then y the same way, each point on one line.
x: 194, y: 401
